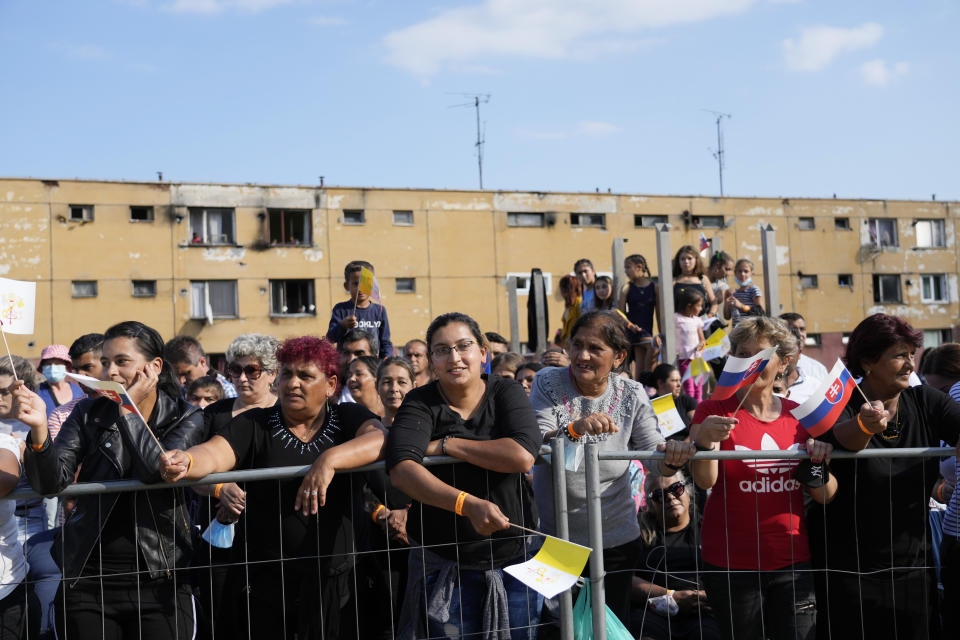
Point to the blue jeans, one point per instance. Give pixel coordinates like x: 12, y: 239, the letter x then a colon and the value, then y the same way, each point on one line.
x: 523, y: 605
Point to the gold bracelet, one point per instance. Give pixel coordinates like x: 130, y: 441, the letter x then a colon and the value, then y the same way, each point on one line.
x: 216, y: 491
x: 376, y: 512
x: 863, y: 428
x: 458, y: 507
x: 572, y: 432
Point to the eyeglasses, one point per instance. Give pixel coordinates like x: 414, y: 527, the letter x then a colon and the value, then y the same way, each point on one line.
x: 659, y: 495
x: 253, y: 371
x: 445, y: 351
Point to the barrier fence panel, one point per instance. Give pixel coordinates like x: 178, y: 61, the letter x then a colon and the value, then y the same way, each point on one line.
x: 345, y: 576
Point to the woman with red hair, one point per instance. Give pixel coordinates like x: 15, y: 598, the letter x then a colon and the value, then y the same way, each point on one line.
x: 871, y: 546
x: 305, y: 526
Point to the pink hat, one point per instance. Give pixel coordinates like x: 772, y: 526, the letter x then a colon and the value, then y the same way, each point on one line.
x: 56, y: 352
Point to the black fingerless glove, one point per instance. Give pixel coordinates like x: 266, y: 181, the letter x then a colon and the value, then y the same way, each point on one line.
x: 813, y: 475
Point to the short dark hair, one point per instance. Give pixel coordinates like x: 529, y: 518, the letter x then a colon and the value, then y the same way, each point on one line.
x: 204, y: 382
x: 509, y: 359
x: 874, y: 335
x: 372, y: 363
x: 660, y: 373
x: 583, y: 261
x: 183, y: 349
x: 610, y: 326
x: 533, y: 366
x: 942, y: 361
x: 493, y: 336
x: 356, y: 335
x: 356, y: 265
x: 455, y: 317
x: 414, y: 341
x: 791, y: 316
x: 85, y: 344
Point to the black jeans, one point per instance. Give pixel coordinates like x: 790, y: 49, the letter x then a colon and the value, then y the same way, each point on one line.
x: 950, y: 578
x: 619, y: 563
x: 779, y: 605
x: 13, y: 614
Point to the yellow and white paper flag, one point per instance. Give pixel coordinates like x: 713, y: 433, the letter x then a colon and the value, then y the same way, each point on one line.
x: 17, y: 305
x: 554, y: 569
x: 716, y: 346
x: 668, y: 418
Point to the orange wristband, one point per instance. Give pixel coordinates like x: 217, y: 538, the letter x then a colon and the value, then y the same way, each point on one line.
x: 189, y: 466
x: 377, y: 511
x: 216, y: 491
x: 940, y: 491
x: 458, y: 507
x: 36, y: 447
x: 863, y: 428
x: 573, y: 434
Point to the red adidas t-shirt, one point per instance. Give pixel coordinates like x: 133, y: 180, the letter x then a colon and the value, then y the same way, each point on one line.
x: 754, y: 516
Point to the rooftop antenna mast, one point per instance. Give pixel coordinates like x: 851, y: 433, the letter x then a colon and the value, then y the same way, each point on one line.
x: 477, y: 100
x: 719, y: 153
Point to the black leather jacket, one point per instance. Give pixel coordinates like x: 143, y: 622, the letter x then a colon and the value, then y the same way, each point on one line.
x: 107, y: 446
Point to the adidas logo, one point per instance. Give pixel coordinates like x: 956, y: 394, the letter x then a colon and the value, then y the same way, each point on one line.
x: 768, y: 467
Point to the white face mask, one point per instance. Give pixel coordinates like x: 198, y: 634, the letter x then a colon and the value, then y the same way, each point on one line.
x: 54, y: 372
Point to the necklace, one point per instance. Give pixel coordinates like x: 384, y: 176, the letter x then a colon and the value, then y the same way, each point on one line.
x: 892, y: 433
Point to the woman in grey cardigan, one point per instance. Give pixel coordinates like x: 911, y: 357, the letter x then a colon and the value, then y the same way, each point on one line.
x: 588, y: 401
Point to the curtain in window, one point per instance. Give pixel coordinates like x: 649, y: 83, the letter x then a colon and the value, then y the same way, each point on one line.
x: 223, y: 297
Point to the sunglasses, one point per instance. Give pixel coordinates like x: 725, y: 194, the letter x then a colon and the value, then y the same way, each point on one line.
x: 251, y: 370
x: 659, y: 495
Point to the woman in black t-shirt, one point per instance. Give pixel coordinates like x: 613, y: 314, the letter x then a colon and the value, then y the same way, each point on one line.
x: 874, y: 538
x: 305, y: 526
x: 488, y: 423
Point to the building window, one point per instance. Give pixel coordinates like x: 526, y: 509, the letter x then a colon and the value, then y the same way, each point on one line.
x: 597, y: 220
x: 648, y: 222
x: 292, y: 298
x: 708, y: 222
x: 936, y: 337
x: 403, y: 218
x: 883, y: 232
x: 289, y: 227
x: 933, y: 288
x: 808, y: 282
x: 841, y: 224
x: 144, y: 288
x: 354, y: 216
x: 81, y: 212
x: 522, y: 219
x: 213, y: 299
x: 84, y: 288
x: 406, y: 285
x: 141, y: 214
x: 886, y: 288
x: 523, y: 282
x: 813, y: 340
x: 845, y: 280
x: 930, y: 234
x: 211, y: 226
x: 806, y: 224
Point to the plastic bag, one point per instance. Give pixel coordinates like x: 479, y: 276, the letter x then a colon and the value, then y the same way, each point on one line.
x: 583, y: 619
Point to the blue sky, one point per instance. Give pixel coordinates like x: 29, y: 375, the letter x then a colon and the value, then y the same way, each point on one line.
x: 855, y: 98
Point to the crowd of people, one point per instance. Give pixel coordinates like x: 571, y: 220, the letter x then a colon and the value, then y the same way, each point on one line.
x: 692, y: 548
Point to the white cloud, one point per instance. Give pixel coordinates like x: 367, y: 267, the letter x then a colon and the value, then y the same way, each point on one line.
x: 540, y: 29
x: 328, y: 21
x: 818, y: 46
x: 879, y: 74
x: 595, y: 128
x: 219, y: 6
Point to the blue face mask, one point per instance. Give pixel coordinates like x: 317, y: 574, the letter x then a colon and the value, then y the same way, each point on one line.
x: 219, y: 535
x: 54, y: 372
x: 746, y: 283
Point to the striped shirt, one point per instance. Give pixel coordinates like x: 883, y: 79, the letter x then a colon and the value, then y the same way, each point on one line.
x: 59, y: 415
x: 951, y: 519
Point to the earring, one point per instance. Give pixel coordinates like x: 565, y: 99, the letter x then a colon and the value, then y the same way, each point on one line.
x: 866, y: 372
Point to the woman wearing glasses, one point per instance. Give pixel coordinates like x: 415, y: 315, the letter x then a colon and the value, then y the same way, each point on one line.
x: 589, y: 401
x: 669, y: 599
x: 462, y: 512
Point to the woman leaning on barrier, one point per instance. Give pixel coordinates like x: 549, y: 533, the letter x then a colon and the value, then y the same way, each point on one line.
x: 456, y: 577
x: 299, y: 536
x: 755, y: 549
x: 119, y: 552
x: 874, y: 539
x: 588, y: 401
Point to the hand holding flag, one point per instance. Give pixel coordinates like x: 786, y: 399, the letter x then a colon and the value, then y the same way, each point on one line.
x: 740, y: 372
x: 717, y: 345
x: 820, y: 411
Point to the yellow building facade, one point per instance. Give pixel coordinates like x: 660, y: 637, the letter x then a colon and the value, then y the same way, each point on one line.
x: 217, y: 260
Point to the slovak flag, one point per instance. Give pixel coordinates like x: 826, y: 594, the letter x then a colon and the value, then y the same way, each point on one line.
x: 704, y: 245
x: 819, y: 413
x: 739, y: 372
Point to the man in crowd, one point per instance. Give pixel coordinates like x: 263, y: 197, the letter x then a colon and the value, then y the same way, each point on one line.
x: 416, y: 352
x: 496, y: 343
x: 809, y: 372
x: 189, y: 363
x: 353, y: 344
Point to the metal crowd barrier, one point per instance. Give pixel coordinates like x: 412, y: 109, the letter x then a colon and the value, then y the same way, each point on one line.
x: 592, y: 458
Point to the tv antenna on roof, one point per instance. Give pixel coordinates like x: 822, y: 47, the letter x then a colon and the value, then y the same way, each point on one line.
x: 718, y: 154
x: 476, y: 100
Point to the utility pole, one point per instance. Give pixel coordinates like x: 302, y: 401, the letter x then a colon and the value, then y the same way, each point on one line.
x: 718, y: 154
x: 478, y: 99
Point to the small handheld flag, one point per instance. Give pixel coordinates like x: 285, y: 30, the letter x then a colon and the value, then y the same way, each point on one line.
x: 554, y: 569
x: 17, y: 305
x: 668, y: 418
x: 717, y: 345
x: 114, y: 392
x: 698, y: 369
x: 820, y: 411
x: 739, y: 372
x: 368, y: 285
x: 704, y: 245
